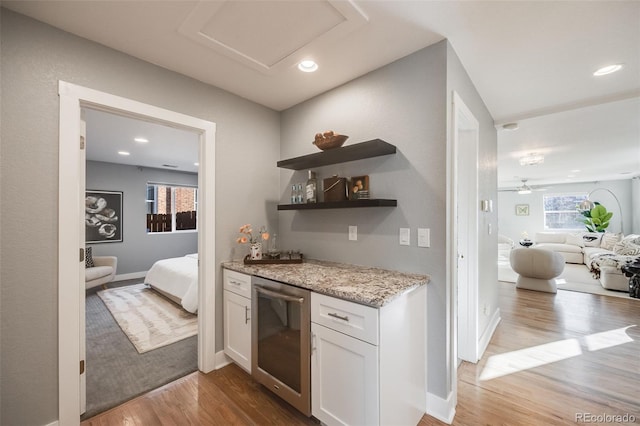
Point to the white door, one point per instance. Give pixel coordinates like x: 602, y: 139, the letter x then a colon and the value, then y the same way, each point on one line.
x: 237, y: 329
x: 82, y: 296
x: 466, y: 136
x: 344, y: 379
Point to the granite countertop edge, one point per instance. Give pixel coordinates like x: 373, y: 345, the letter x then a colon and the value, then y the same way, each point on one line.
x: 366, y: 285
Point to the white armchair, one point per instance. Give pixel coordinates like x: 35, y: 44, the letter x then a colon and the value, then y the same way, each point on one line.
x: 102, y: 273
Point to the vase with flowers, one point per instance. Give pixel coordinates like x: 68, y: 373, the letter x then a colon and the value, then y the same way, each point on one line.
x: 255, y: 242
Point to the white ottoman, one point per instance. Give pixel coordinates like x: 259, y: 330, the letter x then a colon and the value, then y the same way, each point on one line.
x: 536, y: 268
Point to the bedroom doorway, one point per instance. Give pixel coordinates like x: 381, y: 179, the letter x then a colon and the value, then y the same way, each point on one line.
x: 126, y: 357
x: 71, y: 286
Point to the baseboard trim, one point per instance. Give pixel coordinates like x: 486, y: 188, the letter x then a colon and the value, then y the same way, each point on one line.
x: 131, y: 276
x: 221, y: 360
x: 488, y: 333
x: 56, y: 423
x: 442, y: 409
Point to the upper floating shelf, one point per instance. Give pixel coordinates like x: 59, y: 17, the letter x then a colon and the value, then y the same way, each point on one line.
x: 358, y: 151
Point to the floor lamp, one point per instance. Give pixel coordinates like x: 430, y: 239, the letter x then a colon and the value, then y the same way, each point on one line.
x: 588, y: 204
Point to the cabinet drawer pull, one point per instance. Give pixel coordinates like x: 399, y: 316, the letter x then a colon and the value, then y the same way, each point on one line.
x: 343, y: 318
x: 246, y: 315
x: 234, y: 282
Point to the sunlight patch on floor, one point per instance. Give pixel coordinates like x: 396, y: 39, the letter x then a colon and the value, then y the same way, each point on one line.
x: 536, y: 356
x: 608, y: 339
x: 524, y: 359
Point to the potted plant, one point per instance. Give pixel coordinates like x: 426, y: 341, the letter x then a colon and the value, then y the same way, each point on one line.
x: 597, y: 219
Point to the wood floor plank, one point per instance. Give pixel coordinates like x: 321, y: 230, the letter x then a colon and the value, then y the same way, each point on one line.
x: 569, y: 353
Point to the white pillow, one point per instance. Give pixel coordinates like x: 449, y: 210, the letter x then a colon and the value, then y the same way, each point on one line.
x: 626, y: 248
x: 609, y: 240
x: 633, y: 238
x: 575, y: 239
x: 592, y: 239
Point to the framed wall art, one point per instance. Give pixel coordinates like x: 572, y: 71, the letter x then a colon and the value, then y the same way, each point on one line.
x: 103, y: 216
x: 522, y: 209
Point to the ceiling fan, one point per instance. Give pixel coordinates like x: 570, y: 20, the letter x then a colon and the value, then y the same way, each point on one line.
x: 524, y: 188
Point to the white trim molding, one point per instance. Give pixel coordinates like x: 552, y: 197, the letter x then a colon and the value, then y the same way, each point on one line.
x: 442, y: 409
x: 70, y: 239
x: 486, y: 336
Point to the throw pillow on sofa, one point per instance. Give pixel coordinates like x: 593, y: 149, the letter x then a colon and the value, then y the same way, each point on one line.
x: 626, y: 248
x: 88, y: 258
x: 575, y: 239
x: 592, y: 239
x: 609, y: 240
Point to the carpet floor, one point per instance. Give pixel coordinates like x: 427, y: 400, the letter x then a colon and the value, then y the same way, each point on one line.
x: 573, y: 278
x: 116, y: 372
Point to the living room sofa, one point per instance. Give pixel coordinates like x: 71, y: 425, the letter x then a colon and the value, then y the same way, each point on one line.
x: 602, y: 253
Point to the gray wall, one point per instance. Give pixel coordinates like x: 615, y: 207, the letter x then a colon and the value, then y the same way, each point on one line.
x: 138, y: 249
x: 512, y: 226
x: 406, y: 104
x: 34, y: 57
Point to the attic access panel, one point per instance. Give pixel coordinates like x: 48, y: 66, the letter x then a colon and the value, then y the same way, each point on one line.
x: 271, y: 35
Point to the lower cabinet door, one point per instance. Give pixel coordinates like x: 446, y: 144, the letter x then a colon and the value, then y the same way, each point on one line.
x: 237, y: 329
x: 344, y: 379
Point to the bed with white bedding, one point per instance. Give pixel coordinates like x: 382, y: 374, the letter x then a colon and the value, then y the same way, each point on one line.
x: 176, y: 278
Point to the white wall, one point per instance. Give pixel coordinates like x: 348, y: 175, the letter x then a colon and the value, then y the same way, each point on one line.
x: 513, y: 226
x: 34, y: 57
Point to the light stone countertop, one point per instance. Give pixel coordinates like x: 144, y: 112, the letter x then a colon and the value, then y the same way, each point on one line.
x: 361, y: 284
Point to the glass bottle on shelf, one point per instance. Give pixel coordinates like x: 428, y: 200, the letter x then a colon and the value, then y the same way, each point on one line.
x: 294, y: 194
x: 312, y: 188
x: 300, y: 196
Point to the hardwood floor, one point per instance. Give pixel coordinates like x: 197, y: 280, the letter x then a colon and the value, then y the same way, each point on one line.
x: 552, y: 358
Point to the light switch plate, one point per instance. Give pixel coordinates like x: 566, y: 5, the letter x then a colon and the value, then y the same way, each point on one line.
x: 424, y: 237
x: 353, y: 233
x: 405, y: 236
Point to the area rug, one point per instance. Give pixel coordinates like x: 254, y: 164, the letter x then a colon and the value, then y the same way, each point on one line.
x: 573, y: 278
x: 149, y: 320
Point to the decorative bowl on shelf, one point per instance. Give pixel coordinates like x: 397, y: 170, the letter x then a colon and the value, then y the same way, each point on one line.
x: 329, y: 140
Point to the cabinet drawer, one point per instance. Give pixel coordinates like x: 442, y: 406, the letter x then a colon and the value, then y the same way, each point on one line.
x: 350, y: 318
x: 237, y: 282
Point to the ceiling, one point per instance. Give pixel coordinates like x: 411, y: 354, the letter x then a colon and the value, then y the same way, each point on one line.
x: 531, y: 61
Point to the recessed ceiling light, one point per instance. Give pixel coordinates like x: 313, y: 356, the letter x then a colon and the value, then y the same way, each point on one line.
x: 196, y: 164
x: 307, y: 66
x: 123, y: 153
x: 608, y: 69
x: 575, y: 170
x: 510, y: 126
x: 571, y: 176
x: 141, y: 140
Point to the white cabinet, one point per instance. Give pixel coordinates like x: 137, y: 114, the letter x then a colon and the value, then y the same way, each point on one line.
x: 237, y: 317
x: 368, y: 364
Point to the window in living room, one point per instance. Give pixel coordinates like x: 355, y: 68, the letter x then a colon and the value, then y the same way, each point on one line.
x: 561, y: 212
x: 171, y: 208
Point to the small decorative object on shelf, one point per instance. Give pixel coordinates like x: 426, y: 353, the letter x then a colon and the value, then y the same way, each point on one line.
x: 255, y: 242
x: 329, y: 140
x: 335, y: 189
x: 359, y: 188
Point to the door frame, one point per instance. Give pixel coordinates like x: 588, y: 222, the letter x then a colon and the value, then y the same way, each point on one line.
x: 466, y: 140
x: 71, y: 239
x: 471, y: 301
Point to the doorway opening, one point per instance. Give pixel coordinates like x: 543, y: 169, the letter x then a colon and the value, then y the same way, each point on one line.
x: 71, y: 239
x: 138, y: 338
x: 462, y: 240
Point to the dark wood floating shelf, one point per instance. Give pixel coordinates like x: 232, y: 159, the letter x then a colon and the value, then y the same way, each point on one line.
x: 340, y: 204
x: 358, y: 151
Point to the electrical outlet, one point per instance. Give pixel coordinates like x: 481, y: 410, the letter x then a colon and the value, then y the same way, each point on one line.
x: 353, y: 233
x: 405, y: 236
x: 424, y: 237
